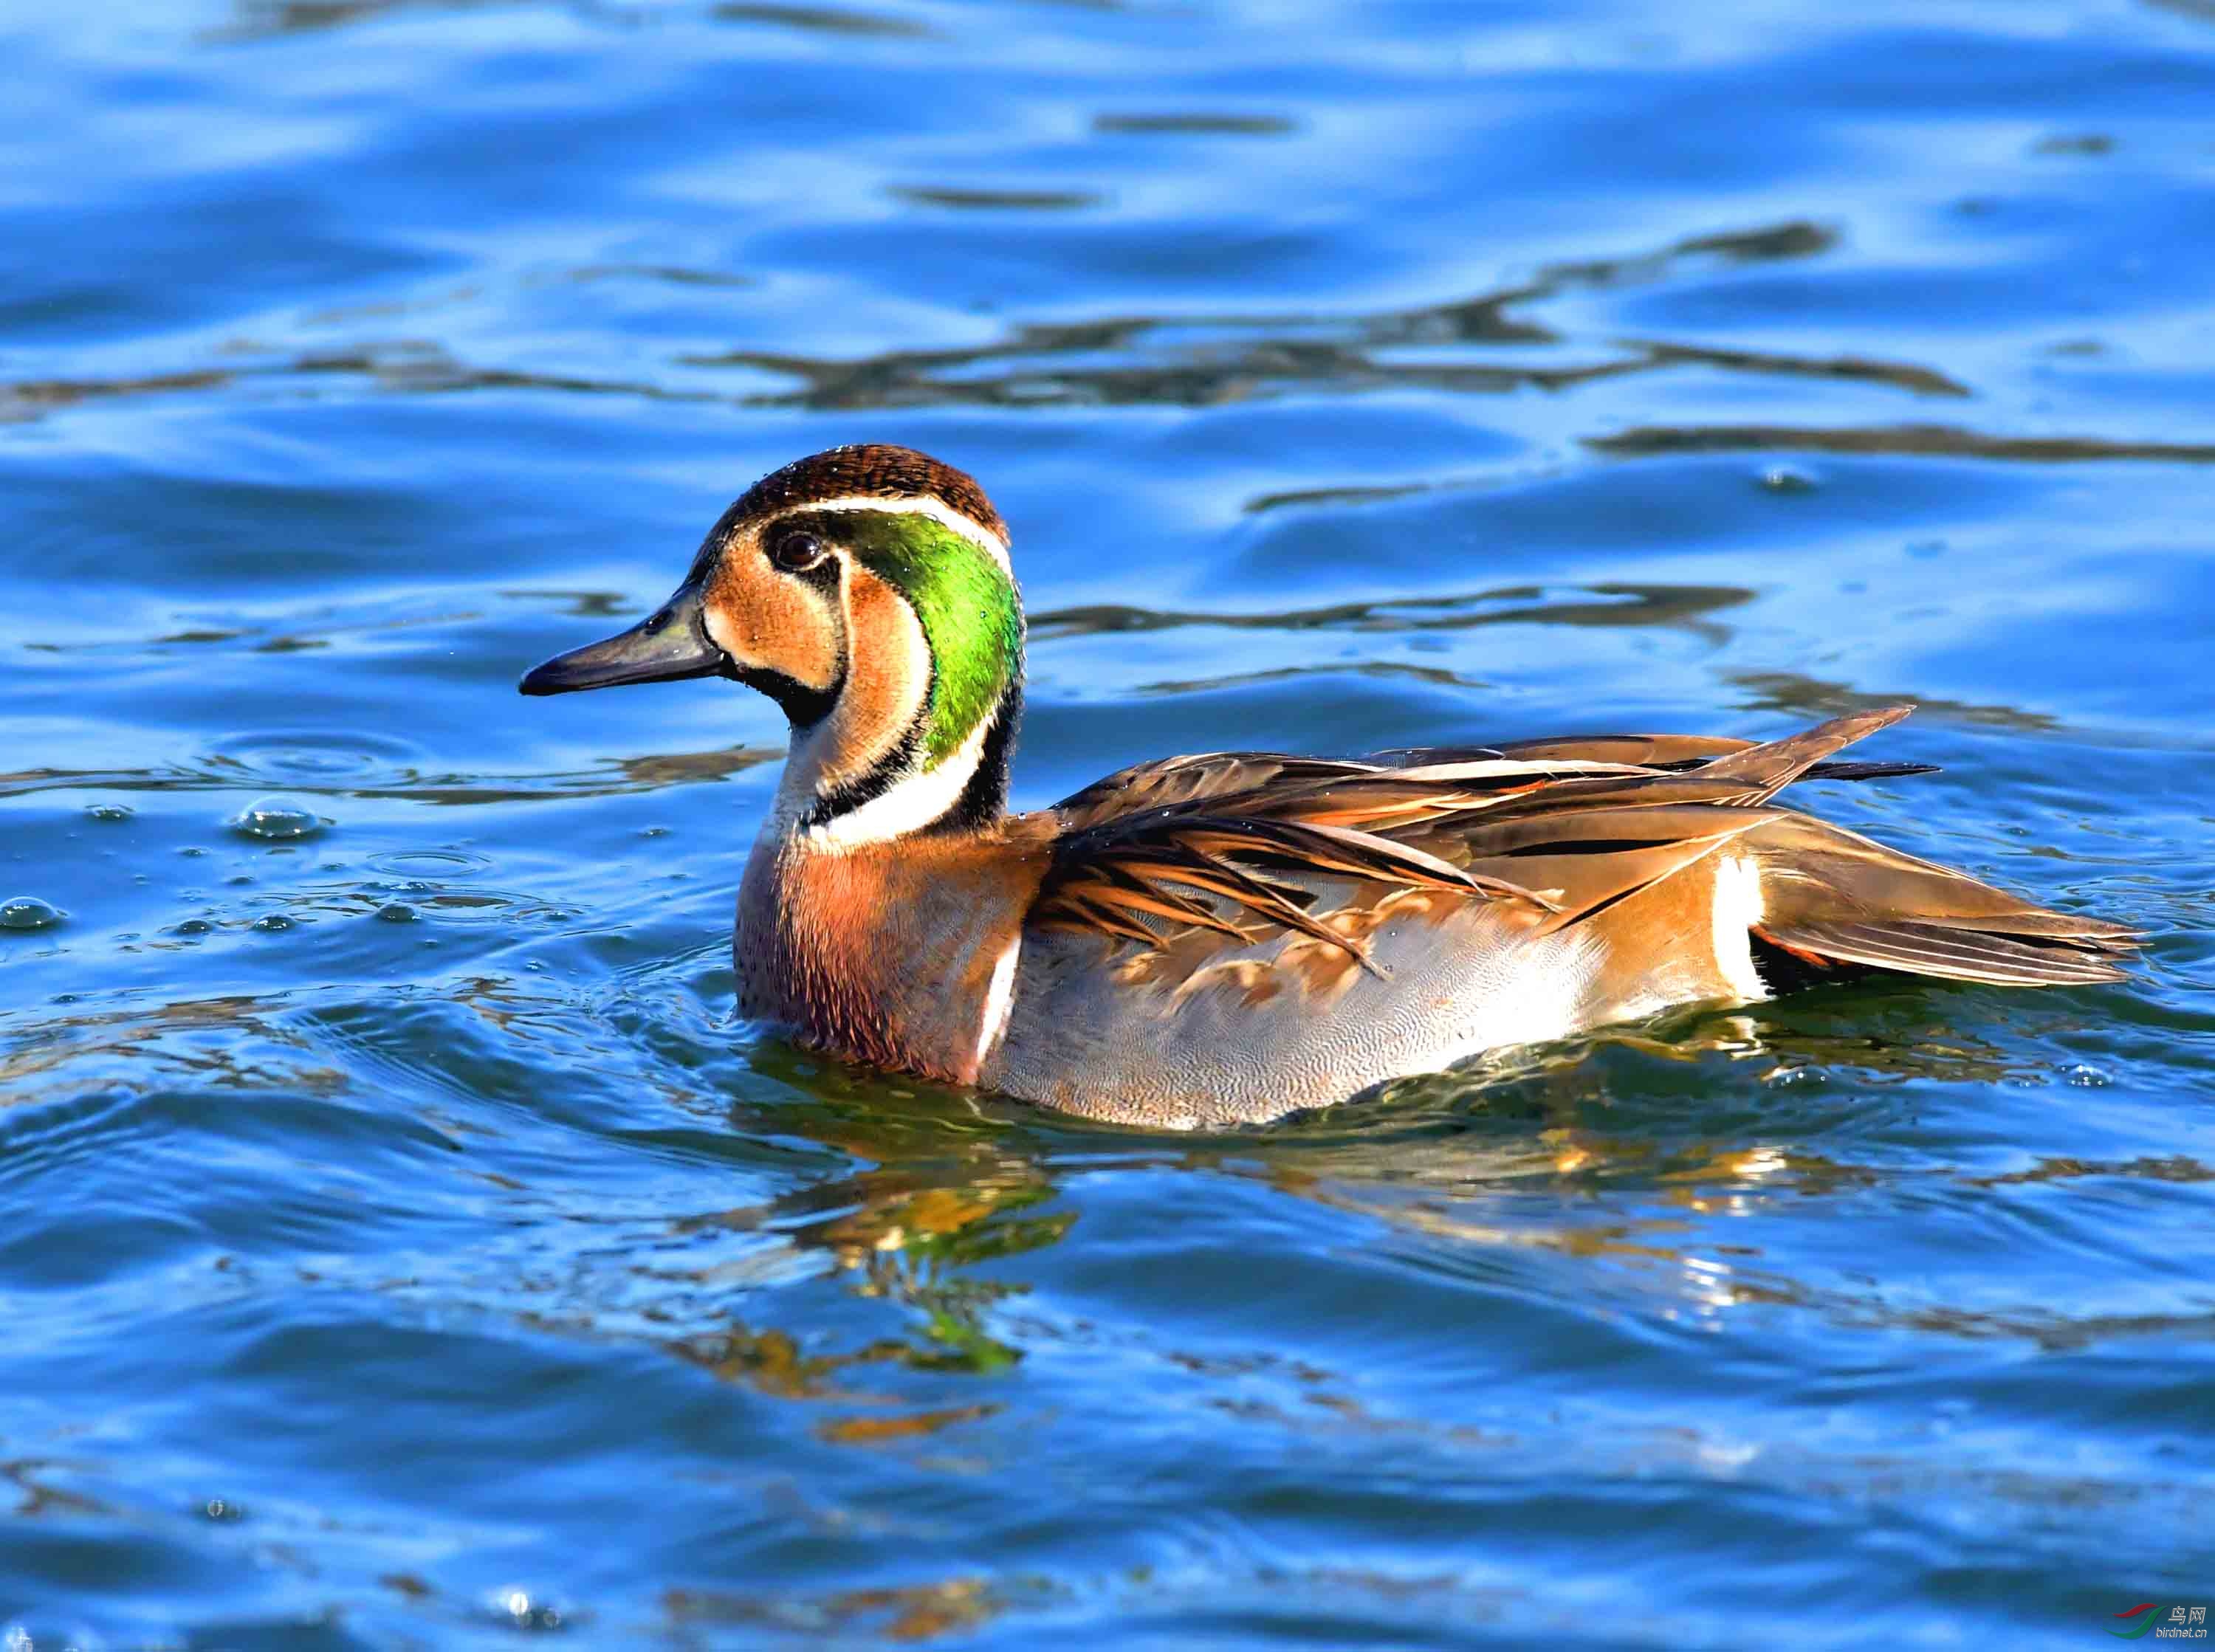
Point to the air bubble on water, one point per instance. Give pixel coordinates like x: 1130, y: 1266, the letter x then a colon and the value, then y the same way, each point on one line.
x: 522, y: 1611
x: 191, y: 852
x: 1800, y: 1076
x: 2085, y: 1076
x: 195, y: 928
x: 221, y: 1509
x: 28, y: 912
x: 108, y: 811
x: 274, y: 923
x: 276, y: 820
x: 1787, y: 479
x: 396, y: 912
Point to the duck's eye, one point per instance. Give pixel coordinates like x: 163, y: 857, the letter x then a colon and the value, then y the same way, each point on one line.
x: 796, y: 552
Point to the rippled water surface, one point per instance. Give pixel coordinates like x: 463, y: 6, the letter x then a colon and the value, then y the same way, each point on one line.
x: 402, y: 1246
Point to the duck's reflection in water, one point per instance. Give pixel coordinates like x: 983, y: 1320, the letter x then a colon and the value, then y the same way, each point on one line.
x: 1634, y: 1153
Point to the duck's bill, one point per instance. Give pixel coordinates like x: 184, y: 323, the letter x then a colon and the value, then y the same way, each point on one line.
x: 668, y: 646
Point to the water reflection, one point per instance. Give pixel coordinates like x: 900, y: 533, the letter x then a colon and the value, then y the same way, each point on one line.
x: 1206, y: 360
x: 266, y: 19
x: 1196, y: 360
x: 886, y: 1301
x: 912, y: 1613
x: 1177, y: 360
x: 997, y: 200
x: 1195, y: 125
x: 1930, y: 441
x: 1816, y: 698
x: 944, y: 1187
x: 824, y: 20
x: 1620, y: 604
x: 1385, y: 670
x: 48, y: 1059
x: 1642, y: 1154
x: 216, y: 772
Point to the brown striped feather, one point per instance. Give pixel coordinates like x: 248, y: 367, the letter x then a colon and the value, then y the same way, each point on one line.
x: 1566, y: 829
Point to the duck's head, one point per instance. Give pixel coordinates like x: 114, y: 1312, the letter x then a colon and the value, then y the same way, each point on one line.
x: 866, y: 590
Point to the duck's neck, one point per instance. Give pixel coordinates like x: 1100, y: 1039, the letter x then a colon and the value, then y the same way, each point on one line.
x: 829, y: 802
x: 882, y: 921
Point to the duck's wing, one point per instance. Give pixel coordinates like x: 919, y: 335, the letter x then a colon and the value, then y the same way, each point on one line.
x: 1214, y: 852
x: 1225, y: 841
x: 1166, y: 782
x: 1664, y: 751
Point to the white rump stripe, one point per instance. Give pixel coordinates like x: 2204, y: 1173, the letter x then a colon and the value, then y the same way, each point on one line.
x: 1738, y: 907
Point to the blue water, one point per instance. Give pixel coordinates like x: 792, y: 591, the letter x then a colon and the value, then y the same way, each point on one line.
x: 400, y: 1247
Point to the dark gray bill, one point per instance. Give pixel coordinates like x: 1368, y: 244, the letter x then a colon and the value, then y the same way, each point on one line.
x: 669, y: 645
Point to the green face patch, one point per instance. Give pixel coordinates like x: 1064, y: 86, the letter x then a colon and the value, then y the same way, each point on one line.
x: 970, y: 614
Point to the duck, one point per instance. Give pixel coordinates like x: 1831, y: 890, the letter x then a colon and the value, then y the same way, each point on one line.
x: 1224, y: 937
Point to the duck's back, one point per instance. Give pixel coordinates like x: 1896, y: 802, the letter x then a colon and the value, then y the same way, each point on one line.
x: 1230, y: 937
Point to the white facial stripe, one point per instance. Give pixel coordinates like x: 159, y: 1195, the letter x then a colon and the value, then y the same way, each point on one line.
x: 938, y: 510
x: 1738, y: 907
x: 908, y: 805
x: 999, y: 1000
x: 719, y: 632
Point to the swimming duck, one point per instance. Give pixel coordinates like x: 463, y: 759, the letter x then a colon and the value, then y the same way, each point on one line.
x: 1229, y: 937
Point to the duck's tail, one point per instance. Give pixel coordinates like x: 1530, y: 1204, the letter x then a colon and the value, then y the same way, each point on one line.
x: 1828, y: 896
